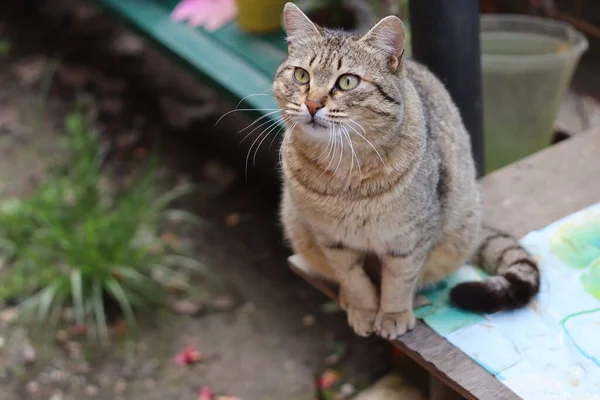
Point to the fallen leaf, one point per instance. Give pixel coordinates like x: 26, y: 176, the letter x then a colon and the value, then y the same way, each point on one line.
x: 328, y: 379
x: 29, y: 354
x: 171, y: 240
x: 128, y: 44
x: 120, y: 328
x: 127, y: 139
x: 78, y: 330
x: 333, y: 359
x: 30, y: 71
x: 75, y: 76
x: 9, y: 315
x: 206, y: 393
x: 308, y: 320
x: 232, y: 220
x: 9, y: 118
x: 186, y: 307
x: 189, y: 355
x: 140, y: 153
x: 223, y: 303
x: 347, y: 390
x: 62, y: 335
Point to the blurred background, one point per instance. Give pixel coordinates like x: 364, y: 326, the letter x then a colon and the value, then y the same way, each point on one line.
x: 140, y: 253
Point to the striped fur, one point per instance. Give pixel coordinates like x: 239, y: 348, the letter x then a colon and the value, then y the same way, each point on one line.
x: 383, y: 169
x: 515, y: 280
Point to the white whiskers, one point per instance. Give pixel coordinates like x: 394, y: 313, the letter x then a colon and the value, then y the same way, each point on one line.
x: 353, y: 156
x: 364, y: 138
x: 262, y: 137
x: 247, y: 109
x: 341, y: 155
x: 255, y: 94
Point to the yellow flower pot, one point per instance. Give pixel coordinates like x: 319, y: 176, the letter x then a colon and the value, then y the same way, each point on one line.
x: 259, y: 16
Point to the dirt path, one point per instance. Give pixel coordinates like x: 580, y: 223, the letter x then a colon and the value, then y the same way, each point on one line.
x: 273, y: 339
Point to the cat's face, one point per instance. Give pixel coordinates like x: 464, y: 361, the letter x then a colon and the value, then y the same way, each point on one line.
x: 337, y: 84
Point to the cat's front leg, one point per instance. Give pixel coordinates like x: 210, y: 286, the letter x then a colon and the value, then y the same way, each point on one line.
x: 399, y: 278
x: 358, y: 295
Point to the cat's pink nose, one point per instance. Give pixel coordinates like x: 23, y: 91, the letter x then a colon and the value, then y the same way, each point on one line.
x: 313, y: 106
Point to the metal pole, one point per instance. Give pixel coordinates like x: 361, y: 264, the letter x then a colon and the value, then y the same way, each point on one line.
x: 445, y: 38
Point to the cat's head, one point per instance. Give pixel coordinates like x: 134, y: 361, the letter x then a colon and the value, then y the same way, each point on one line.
x: 337, y: 83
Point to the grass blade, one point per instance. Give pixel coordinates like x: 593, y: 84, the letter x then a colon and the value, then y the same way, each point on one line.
x: 163, y: 201
x: 77, y: 293
x: 98, y: 304
x: 46, y: 297
x: 117, y: 292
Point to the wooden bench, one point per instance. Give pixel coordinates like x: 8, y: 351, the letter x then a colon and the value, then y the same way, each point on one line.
x: 232, y: 62
x: 519, y: 198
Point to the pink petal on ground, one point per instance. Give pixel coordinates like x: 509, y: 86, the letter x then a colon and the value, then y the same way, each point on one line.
x: 206, y: 393
x: 328, y: 379
x: 187, y: 356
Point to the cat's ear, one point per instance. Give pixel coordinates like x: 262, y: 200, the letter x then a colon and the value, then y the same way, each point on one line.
x: 297, y: 24
x: 388, y: 37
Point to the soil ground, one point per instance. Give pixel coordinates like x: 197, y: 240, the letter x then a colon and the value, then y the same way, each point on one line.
x: 273, y: 340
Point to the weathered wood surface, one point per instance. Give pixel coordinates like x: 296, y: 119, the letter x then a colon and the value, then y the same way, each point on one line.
x: 519, y: 198
x: 551, y: 184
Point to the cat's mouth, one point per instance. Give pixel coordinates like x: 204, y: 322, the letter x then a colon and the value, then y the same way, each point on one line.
x: 315, y: 124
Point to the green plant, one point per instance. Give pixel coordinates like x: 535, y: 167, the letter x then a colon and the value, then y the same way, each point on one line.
x: 78, y: 241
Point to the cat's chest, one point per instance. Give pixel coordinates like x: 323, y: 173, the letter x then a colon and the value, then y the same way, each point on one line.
x: 357, y: 224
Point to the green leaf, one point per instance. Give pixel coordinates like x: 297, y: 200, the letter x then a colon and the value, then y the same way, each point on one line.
x: 98, y: 304
x: 46, y: 297
x: 176, y: 193
x: 77, y: 292
x: 175, y: 215
x: 115, y: 289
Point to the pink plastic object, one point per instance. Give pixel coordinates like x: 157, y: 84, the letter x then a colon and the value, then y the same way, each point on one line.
x: 211, y: 14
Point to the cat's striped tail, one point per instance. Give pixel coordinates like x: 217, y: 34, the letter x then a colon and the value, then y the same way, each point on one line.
x: 515, y: 280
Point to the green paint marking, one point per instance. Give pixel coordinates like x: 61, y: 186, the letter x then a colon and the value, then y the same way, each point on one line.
x: 563, y: 324
x: 447, y: 319
x: 578, y: 244
x: 591, y: 279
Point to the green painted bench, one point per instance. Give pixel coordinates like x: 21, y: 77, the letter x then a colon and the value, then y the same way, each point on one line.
x: 232, y: 62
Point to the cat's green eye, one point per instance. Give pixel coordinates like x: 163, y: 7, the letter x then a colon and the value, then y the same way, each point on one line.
x: 348, y: 82
x: 301, y: 76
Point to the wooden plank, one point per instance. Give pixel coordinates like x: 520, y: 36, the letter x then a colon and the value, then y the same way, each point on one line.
x: 436, y: 354
x: 197, y: 50
x: 255, y: 50
x: 263, y: 52
x: 546, y: 186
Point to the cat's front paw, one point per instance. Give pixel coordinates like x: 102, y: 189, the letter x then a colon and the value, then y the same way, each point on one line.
x: 361, y: 320
x: 392, y: 325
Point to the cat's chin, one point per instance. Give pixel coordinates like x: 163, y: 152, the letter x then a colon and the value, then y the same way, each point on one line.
x: 316, y: 130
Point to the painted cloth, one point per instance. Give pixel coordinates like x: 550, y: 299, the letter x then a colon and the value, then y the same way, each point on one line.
x: 550, y: 349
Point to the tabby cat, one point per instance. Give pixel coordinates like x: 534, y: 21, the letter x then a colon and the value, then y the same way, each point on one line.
x: 376, y: 161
